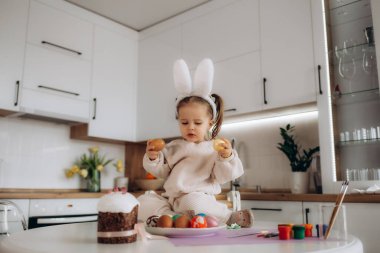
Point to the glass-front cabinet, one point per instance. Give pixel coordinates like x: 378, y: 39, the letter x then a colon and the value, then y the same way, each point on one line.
x: 351, y: 27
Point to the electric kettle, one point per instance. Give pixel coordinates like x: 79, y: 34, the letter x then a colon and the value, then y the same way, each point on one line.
x: 11, y: 218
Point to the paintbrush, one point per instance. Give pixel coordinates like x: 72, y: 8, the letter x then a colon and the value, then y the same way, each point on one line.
x: 338, y: 204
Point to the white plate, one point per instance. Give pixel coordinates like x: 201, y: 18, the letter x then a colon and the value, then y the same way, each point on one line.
x: 185, y: 232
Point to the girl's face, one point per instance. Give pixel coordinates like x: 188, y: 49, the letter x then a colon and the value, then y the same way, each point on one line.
x: 194, y: 121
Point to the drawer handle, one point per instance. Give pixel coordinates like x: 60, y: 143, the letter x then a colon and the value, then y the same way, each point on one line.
x: 61, y: 47
x: 319, y: 80
x: 63, y: 91
x: 264, y: 90
x: 95, y: 104
x: 230, y: 110
x: 266, y: 209
x: 17, y: 92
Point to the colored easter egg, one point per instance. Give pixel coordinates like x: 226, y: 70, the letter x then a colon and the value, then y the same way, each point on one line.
x: 182, y: 222
x: 176, y: 216
x: 158, y: 144
x: 198, y: 222
x: 211, y: 221
x: 218, y: 144
x: 165, y: 221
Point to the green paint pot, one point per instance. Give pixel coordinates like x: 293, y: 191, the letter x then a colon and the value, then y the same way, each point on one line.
x: 298, y: 232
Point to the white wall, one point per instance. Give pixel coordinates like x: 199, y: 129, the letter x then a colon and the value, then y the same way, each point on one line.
x: 256, y: 144
x: 35, y: 154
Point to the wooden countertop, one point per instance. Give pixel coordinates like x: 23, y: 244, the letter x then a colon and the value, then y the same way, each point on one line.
x: 245, y: 195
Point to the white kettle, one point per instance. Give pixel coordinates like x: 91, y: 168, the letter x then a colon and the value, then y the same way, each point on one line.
x: 10, y: 216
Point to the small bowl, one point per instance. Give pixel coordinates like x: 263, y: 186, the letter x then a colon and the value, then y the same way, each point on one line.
x: 150, y: 184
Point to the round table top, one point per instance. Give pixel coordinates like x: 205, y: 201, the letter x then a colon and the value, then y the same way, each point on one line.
x: 82, y: 237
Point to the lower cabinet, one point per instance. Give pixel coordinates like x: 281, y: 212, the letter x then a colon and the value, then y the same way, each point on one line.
x: 275, y: 211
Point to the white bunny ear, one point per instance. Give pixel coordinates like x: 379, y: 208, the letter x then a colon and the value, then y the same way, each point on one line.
x: 203, y: 78
x: 182, y: 79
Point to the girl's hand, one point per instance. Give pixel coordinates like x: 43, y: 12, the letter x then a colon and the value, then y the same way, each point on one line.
x: 153, y: 147
x: 223, y: 147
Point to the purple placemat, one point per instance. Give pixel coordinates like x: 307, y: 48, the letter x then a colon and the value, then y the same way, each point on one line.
x: 229, y: 237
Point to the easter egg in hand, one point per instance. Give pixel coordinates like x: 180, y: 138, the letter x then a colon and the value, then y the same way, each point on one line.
x: 198, y: 222
x: 158, y: 144
x: 218, y: 144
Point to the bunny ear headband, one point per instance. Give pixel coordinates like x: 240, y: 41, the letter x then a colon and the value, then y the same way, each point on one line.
x: 202, y: 85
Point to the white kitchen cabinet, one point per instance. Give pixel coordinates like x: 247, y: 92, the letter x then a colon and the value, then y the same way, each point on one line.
x: 288, y: 68
x: 59, y: 30
x: 362, y: 220
x: 13, y: 26
x: 56, y: 83
x: 238, y: 82
x: 114, y: 83
x: 275, y: 211
x: 228, y: 31
x: 57, y: 71
x: 156, y: 92
x: 375, y: 7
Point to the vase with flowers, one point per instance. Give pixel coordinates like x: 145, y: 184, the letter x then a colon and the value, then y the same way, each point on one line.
x: 299, y: 161
x: 89, y: 167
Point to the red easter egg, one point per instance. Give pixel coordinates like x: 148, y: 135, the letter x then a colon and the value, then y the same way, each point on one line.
x: 198, y: 222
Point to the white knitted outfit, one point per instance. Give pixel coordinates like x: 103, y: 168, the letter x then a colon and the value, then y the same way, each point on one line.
x: 193, y: 173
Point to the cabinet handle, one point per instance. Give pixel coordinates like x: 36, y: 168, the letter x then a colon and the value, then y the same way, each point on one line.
x: 17, y: 92
x: 61, y: 47
x: 267, y: 209
x: 63, y: 91
x: 307, y: 211
x: 230, y: 110
x: 319, y: 79
x: 94, y: 116
x: 264, y: 89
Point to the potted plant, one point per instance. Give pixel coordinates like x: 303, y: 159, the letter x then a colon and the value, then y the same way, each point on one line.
x: 299, y: 161
x: 89, y: 168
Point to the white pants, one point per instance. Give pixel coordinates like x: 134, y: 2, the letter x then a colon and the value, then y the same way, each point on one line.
x: 153, y: 204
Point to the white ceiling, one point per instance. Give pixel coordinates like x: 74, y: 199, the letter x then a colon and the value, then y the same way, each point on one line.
x: 138, y: 14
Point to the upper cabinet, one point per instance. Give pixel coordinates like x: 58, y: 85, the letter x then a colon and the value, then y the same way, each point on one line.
x: 156, y: 92
x: 288, y: 68
x: 57, y: 72
x: 113, y: 94
x: 223, y: 33
x: 13, y: 26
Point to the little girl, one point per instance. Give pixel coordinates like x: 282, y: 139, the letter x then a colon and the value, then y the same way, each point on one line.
x: 192, y: 168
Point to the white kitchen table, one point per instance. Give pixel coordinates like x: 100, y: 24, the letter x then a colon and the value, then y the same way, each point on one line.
x: 81, y: 237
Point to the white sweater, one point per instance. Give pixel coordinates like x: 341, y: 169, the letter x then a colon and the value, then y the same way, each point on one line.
x: 189, y: 167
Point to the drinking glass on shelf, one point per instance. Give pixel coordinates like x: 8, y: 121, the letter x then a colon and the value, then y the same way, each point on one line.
x: 347, y: 69
x: 369, y: 60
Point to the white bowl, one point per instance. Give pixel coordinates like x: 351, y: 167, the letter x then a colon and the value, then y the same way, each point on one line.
x: 150, y: 184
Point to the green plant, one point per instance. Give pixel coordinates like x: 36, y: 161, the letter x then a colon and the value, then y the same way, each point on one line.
x: 299, y: 161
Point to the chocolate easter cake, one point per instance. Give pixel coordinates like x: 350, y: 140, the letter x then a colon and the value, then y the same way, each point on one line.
x: 117, y: 216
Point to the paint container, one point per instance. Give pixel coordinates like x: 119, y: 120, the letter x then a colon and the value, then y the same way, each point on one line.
x: 284, y: 232
x: 299, y: 232
x: 308, y: 230
x: 323, y: 231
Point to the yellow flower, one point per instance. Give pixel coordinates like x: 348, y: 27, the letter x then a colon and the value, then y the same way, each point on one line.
x: 119, y: 166
x: 83, y: 173
x: 100, y: 167
x: 93, y: 150
x: 69, y: 173
x: 75, y: 169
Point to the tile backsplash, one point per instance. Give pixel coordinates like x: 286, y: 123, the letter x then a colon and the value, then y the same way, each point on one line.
x: 34, y: 154
x: 256, y: 143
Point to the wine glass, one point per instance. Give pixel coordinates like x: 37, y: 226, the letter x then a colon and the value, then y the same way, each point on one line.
x: 369, y: 60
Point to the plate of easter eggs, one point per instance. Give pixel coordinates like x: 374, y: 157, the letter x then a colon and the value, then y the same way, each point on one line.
x: 181, y: 225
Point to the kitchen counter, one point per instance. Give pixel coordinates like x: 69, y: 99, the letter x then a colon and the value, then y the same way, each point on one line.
x: 245, y: 195
x: 82, y: 237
